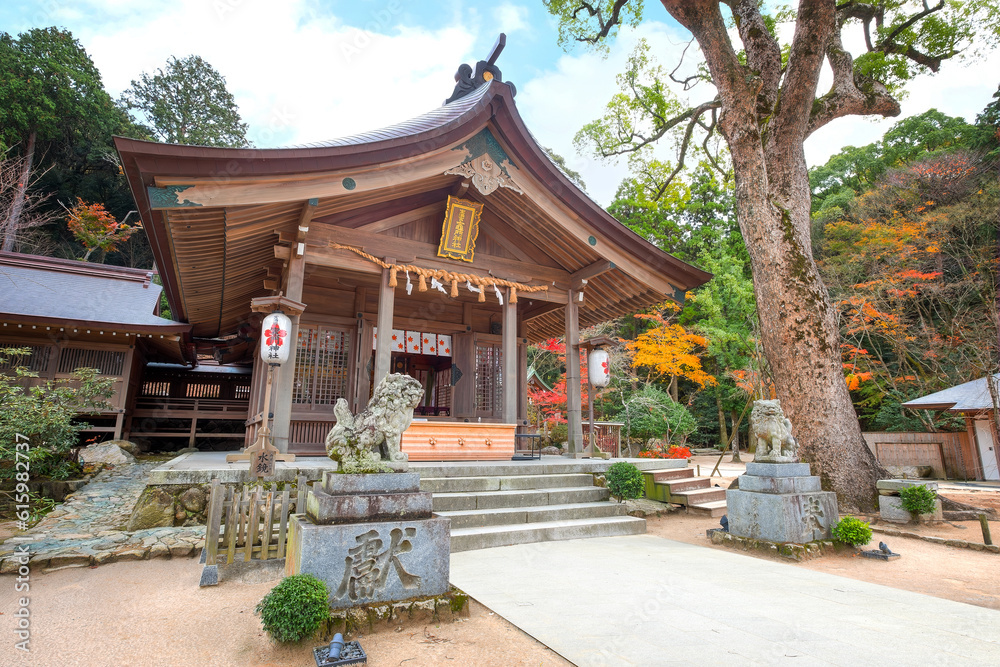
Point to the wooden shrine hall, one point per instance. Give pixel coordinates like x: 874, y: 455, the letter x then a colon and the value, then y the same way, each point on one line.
x: 439, y: 247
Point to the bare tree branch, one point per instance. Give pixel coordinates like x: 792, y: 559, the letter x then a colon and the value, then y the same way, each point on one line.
x: 594, y: 11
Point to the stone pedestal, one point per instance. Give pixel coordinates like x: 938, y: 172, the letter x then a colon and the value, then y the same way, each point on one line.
x: 372, y: 539
x: 781, y: 502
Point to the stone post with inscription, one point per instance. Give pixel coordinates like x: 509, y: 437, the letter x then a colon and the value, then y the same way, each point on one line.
x: 778, y: 499
x: 371, y: 536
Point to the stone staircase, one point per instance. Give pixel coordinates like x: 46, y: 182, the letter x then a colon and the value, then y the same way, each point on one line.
x: 680, y: 487
x: 503, y: 504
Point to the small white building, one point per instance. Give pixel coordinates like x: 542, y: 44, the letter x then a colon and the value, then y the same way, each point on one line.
x: 972, y: 401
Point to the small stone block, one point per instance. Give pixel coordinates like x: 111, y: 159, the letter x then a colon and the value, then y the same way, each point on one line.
x: 104, y: 558
x: 179, y: 550
x: 891, y: 509
x: 209, y: 576
x: 894, y: 485
x: 778, y: 469
x: 399, y: 482
x: 879, y: 555
x: 369, y: 563
x: 325, y: 509
x: 780, y: 484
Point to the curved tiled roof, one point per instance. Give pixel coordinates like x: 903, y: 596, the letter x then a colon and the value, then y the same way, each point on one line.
x: 438, y: 117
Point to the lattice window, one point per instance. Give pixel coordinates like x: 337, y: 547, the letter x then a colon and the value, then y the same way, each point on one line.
x: 156, y: 388
x: 442, y: 389
x: 241, y: 392
x: 202, y: 390
x: 322, y: 358
x: 107, y: 362
x: 489, y: 379
x: 37, y: 360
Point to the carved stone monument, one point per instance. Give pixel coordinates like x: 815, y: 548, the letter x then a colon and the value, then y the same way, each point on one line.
x: 372, y: 536
x: 778, y: 499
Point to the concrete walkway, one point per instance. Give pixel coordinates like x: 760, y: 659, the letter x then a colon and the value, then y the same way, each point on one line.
x: 644, y: 600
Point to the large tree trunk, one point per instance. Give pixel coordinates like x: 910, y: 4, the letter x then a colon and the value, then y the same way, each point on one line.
x: 765, y: 128
x: 14, y: 217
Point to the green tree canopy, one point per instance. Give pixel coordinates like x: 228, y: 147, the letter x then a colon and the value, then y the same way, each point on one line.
x: 187, y: 103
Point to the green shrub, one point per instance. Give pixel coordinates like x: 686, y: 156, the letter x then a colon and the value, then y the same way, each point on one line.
x: 624, y: 481
x: 918, y: 500
x: 294, y: 609
x: 852, y: 531
x: 44, y: 415
x: 652, y: 413
x: 558, y: 434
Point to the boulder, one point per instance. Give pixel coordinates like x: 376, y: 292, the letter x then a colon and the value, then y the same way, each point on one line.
x: 105, y: 452
x: 193, y: 500
x: 128, y: 446
x: 551, y: 451
x: 155, y: 509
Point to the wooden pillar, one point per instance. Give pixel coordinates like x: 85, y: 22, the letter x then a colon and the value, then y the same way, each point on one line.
x: 573, y: 402
x: 282, y: 424
x: 383, y: 344
x: 509, y: 345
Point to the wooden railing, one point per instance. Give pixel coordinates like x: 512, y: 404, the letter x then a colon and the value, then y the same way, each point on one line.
x: 607, y: 436
x: 193, y: 409
x: 248, y: 523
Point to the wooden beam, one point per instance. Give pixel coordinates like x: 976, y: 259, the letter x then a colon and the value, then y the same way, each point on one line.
x: 250, y: 190
x: 401, y: 219
x: 329, y: 257
x: 308, y: 210
x: 383, y: 344
x: 426, y: 255
x: 579, y: 278
x: 574, y: 415
x: 509, y: 347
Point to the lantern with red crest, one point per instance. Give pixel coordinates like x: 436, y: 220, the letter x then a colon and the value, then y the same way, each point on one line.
x: 598, y: 368
x: 274, y: 342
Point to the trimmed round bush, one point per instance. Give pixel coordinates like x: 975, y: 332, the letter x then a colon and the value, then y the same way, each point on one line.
x: 918, y: 500
x: 295, y: 608
x: 624, y: 480
x: 850, y: 530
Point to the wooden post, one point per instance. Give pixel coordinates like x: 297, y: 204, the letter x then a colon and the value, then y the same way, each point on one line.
x: 985, y: 524
x: 509, y: 361
x: 286, y: 376
x: 591, y: 445
x: 383, y: 344
x: 573, y: 408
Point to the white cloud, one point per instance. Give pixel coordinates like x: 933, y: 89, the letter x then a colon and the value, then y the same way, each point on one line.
x: 298, y: 76
x: 511, y: 18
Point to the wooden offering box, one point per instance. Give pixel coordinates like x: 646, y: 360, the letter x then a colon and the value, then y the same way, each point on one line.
x: 458, y: 441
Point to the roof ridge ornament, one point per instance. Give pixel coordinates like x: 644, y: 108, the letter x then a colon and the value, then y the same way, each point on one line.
x: 486, y: 71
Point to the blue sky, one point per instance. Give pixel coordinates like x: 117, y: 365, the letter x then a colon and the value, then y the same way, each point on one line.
x: 309, y: 70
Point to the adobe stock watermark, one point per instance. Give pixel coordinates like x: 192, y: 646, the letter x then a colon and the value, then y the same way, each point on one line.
x: 22, y: 548
x: 361, y: 38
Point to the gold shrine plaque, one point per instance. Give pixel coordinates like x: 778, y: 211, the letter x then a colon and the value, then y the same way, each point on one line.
x: 460, y: 229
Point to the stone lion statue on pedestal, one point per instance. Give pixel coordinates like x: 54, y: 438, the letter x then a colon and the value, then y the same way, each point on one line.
x: 773, y: 432
x: 366, y: 441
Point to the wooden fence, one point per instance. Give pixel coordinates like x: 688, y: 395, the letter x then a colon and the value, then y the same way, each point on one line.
x: 248, y: 523
x: 950, y: 455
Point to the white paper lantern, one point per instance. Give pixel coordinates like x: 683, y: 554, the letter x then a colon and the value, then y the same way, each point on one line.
x: 597, y: 368
x: 275, y: 339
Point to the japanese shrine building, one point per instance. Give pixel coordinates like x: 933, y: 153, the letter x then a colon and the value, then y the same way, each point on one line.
x: 356, y: 230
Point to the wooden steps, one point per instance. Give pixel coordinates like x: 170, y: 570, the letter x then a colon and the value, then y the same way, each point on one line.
x: 680, y: 487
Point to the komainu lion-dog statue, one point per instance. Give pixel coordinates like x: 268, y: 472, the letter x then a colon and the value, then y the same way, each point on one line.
x: 365, y: 442
x: 773, y: 432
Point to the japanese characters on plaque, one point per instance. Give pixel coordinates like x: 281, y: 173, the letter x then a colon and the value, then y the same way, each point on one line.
x: 416, y: 342
x: 460, y: 229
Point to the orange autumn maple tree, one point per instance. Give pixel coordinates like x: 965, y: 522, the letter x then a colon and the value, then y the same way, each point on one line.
x: 95, y: 228
x: 668, y: 350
